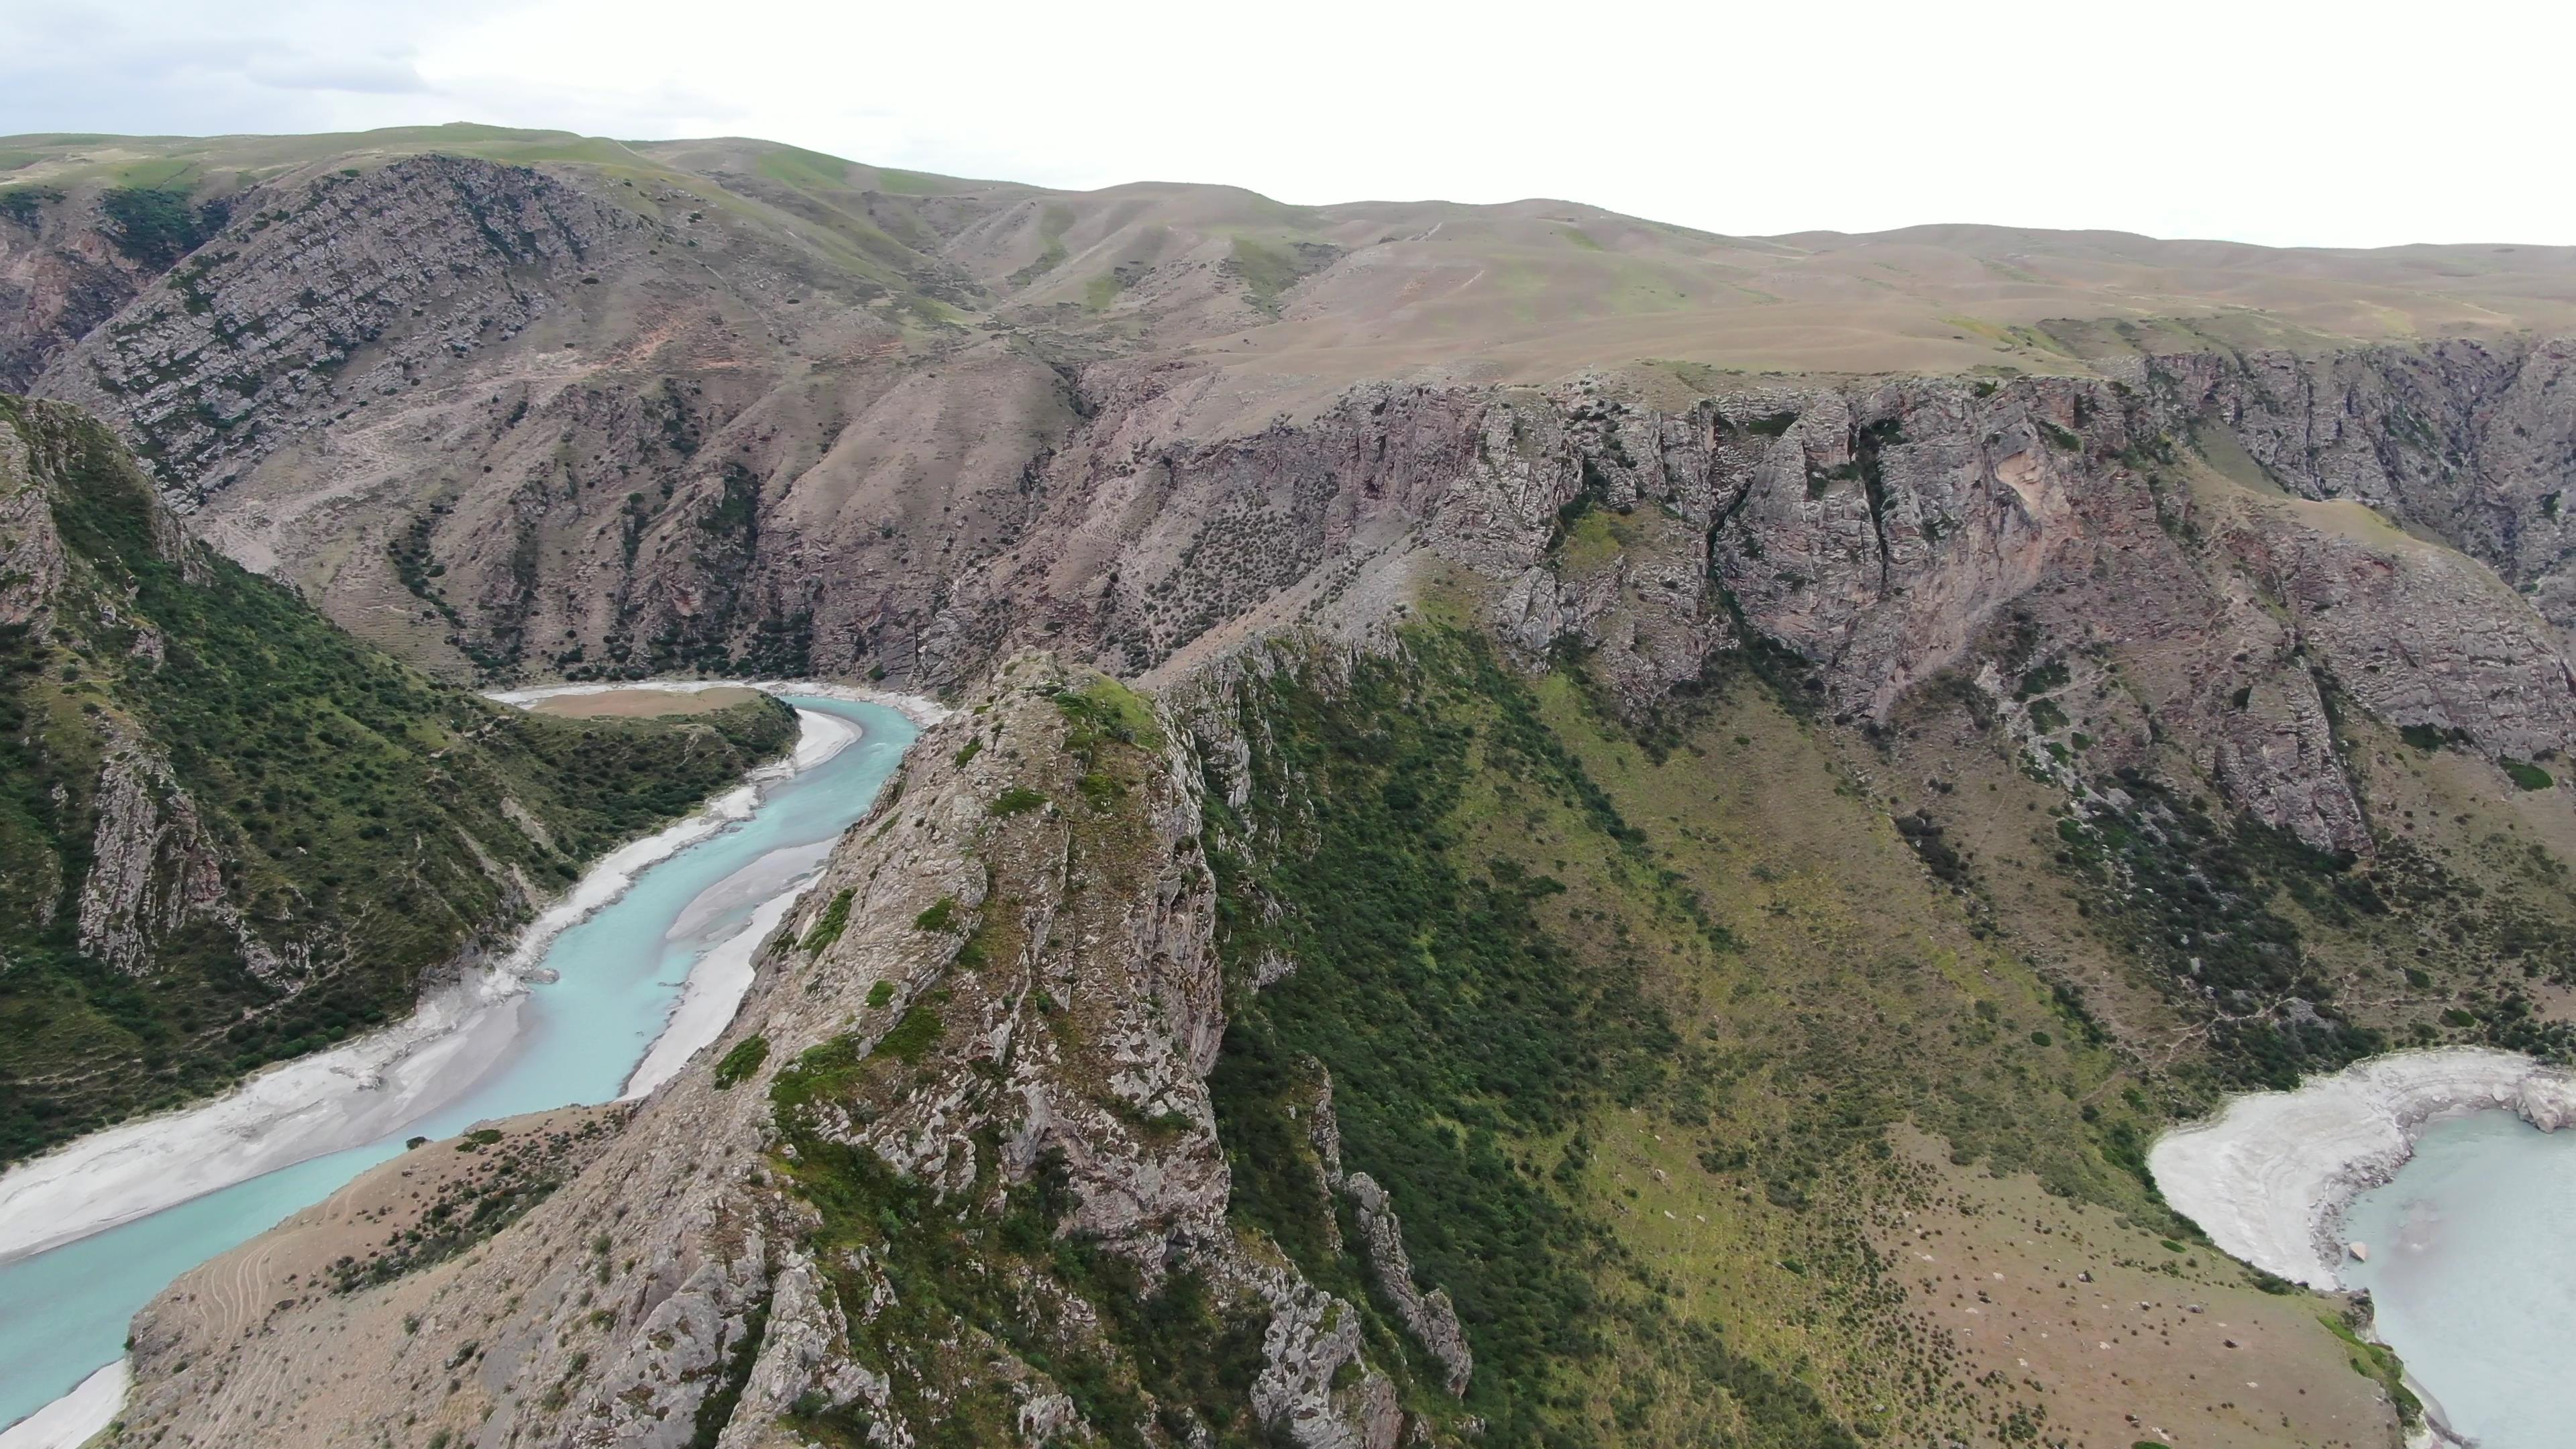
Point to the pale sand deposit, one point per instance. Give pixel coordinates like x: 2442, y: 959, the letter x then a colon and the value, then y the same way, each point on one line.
x: 922, y: 712
x: 2268, y: 1177
x: 716, y: 984
x: 643, y: 703
x: 76, y: 1417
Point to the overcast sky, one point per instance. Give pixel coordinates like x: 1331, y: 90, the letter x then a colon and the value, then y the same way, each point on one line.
x: 2352, y: 125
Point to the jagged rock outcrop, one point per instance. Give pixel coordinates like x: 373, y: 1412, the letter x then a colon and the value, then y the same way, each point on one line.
x: 152, y: 864
x: 1430, y: 1315
x: 1870, y: 532
x: 2469, y: 438
x: 32, y: 565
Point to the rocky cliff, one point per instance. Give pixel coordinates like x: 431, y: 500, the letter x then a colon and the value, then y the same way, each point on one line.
x: 564, y: 446
x: 746, y: 411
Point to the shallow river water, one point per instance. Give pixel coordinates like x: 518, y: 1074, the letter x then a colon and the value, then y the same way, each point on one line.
x: 2472, y: 1270
x: 620, y: 973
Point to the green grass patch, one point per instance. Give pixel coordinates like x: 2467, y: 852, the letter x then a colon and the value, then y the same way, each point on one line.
x: 828, y: 927
x: 741, y: 1062
x: 913, y: 1036
x: 2524, y: 774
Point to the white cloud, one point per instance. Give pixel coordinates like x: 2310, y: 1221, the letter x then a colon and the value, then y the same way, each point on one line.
x: 2355, y: 125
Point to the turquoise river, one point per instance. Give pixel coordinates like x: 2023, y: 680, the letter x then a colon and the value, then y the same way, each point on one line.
x: 619, y: 973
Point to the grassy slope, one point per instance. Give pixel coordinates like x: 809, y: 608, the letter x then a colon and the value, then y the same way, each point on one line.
x: 1664, y: 1062
x: 358, y: 808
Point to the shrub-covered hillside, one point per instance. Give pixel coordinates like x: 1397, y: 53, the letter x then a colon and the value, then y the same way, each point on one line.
x: 231, y: 833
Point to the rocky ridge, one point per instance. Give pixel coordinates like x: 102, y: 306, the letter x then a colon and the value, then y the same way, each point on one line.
x: 1009, y: 1030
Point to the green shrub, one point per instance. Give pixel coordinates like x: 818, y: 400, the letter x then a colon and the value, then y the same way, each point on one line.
x: 880, y: 994
x: 911, y: 1038
x: 1016, y: 799
x: 1466, y: 1043
x: 155, y: 225
x: 2525, y: 774
x: 828, y: 927
x: 939, y: 917
x: 742, y: 1061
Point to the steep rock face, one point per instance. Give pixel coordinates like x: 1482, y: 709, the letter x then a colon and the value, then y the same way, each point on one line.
x: 2473, y: 440
x: 364, y: 383
x: 32, y: 564
x: 403, y: 270
x: 1430, y: 1315
x: 560, y: 437
x: 152, y: 864
x: 1866, y: 535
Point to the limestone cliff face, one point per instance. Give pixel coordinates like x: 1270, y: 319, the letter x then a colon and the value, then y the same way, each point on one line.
x: 511, y: 420
x: 2472, y: 440
x: 153, y: 865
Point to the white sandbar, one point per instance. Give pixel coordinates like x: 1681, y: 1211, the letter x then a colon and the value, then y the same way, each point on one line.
x: 2268, y: 1177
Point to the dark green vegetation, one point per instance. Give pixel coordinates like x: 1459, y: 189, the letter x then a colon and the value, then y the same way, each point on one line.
x: 156, y: 226
x: 2258, y: 936
x: 1467, y: 1046
x: 2379, y: 1362
x: 828, y: 928
x: 742, y: 1061
x: 26, y: 205
x: 296, y: 827
x: 2197, y: 895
